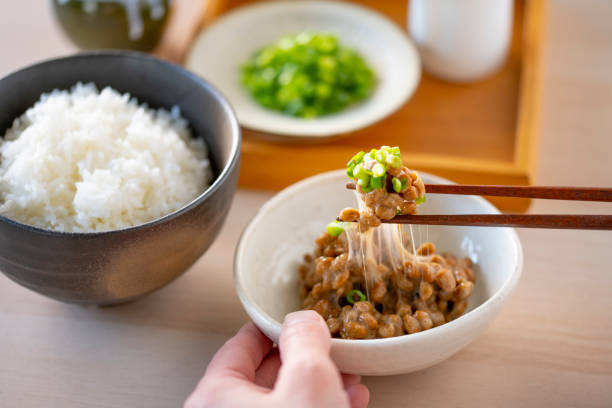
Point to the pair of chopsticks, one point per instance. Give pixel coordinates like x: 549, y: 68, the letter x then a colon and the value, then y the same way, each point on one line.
x: 559, y: 221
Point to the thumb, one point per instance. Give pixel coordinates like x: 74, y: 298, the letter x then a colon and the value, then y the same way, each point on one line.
x: 307, y: 371
x: 304, y: 332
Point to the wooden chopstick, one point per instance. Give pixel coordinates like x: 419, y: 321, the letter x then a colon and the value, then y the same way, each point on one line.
x: 545, y: 192
x: 555, y: 221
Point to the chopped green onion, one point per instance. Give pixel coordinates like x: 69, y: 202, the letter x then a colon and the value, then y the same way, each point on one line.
x: 350, y: 297
x: 376, y: 182
x: 381, y: 156
x: 309, y: 74
x: 398, y: 212
x: 394, y: 161
x: 335, y: 228
x: 358, y: 157
x: 358, y: 171
x: 361, y: 172
x: 420, y: 200
x: 379, y: 170
x: 397, y: 184
x: 380, y: 160
x: 363, y: 181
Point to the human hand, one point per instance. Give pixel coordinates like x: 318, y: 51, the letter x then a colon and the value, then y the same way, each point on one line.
x: 247, y: 371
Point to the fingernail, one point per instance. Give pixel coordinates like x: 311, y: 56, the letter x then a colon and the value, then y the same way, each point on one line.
x: 301, y: 317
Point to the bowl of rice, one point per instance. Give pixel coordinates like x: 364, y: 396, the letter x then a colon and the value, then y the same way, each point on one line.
x: 117, y: 171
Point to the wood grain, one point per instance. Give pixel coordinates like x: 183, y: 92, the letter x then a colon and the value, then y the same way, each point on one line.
x: 185, y: 21
x: 483, y: 133
x: 543, y: 192
x: 548, y: 221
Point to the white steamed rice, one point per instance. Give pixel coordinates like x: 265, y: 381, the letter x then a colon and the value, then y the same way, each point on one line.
x: 86, y: 161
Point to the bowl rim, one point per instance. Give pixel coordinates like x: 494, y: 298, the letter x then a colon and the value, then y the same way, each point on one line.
x: 247, y: 302
x: 298, y: 133
x: 232, y: 161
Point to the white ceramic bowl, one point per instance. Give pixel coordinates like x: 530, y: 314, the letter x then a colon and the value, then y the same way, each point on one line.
x: 222, y: 48
x: 272, y: 246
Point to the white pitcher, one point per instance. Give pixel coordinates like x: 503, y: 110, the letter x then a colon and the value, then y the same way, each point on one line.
x: 461, y: 40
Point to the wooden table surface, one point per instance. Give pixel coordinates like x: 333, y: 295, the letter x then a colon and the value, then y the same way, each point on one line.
x: 551, y: 346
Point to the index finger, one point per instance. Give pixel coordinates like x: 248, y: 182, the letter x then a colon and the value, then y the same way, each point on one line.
x: 241, y: 355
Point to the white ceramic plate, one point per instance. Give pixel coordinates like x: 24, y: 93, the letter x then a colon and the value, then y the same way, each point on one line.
x: 273, y: 244
x: 219, y: 51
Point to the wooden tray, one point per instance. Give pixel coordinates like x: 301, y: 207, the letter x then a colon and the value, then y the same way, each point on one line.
x: 476, y: 133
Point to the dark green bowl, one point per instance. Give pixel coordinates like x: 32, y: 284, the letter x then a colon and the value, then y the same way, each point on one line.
x: 118, y: 266
x: 112, y: 24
